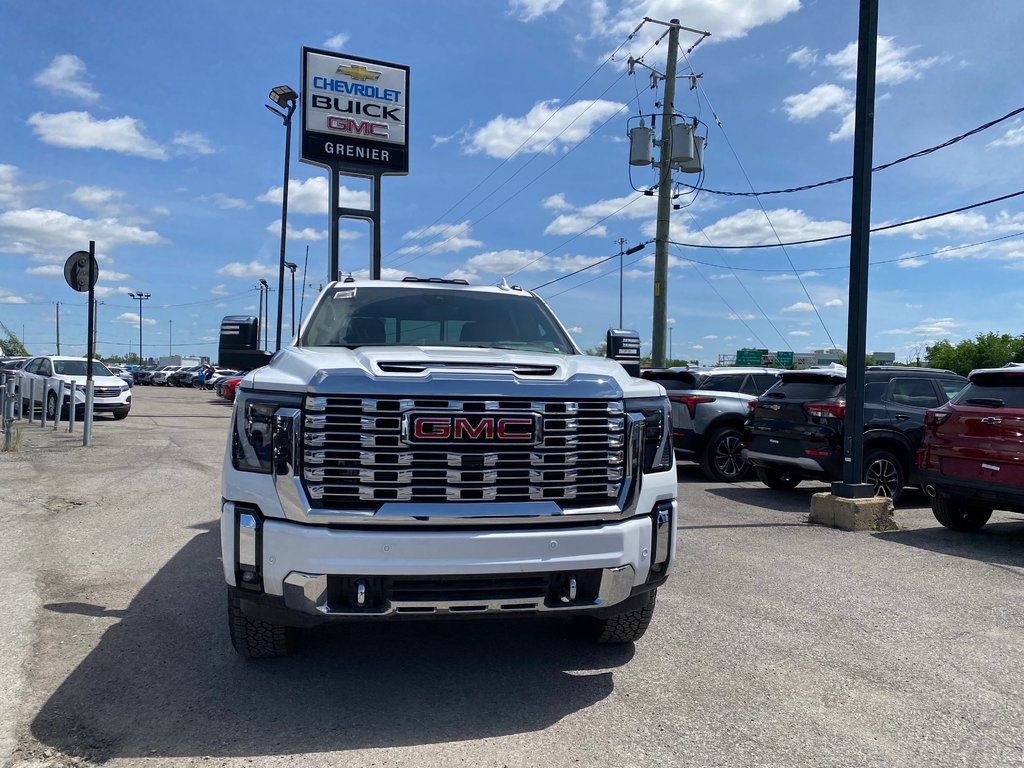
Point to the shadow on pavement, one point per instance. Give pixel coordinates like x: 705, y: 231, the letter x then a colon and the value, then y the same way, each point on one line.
x: 796, y: 500
x: 164, y: 680
x: 1000, y: 543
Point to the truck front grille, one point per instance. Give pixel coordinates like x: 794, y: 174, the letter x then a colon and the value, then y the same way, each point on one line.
x: 355, y: 454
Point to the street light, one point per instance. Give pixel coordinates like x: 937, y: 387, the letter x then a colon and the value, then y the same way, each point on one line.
x: 264, y: 288
x: 291, y: 268
x: 286, y: 99
x: 140, y: 297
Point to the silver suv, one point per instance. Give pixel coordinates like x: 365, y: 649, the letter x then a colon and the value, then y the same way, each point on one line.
x: 709, y: 406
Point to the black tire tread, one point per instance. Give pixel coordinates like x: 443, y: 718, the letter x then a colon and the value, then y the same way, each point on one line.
x: 779, y: 480
x: 625, y: 627
x: 958, y: 516
x: 256, y: 639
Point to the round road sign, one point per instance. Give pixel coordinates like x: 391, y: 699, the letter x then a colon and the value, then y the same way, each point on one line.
x: 81, y: 271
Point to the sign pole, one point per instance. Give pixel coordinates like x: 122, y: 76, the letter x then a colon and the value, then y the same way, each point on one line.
x: 90, y: 350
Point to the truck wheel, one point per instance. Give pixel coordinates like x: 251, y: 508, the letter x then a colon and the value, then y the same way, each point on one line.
x: 958, y: 516
x: 722, y: 460
x: 255, y: 639
x: 884, y: 471
x: 625, y: 627
x: 780, y: 480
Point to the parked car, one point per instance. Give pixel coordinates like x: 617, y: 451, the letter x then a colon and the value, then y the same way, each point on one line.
x: 219, y: 375
x: 160, y: 376
x: 709, y: 408
x: 180, y: 377
x: 12, y: 364
x: 972, y: 456
x: 226, y: 388
x: 110, y: 393
x: 795, y: 429
x: 122, y: 373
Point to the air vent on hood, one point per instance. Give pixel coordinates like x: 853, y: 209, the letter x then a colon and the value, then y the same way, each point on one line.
x: 518, y: 369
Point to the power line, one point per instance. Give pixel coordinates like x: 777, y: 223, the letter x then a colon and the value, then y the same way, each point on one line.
x: 882, y: 167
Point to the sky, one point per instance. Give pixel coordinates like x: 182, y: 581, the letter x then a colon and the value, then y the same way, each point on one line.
x: 142, y: 126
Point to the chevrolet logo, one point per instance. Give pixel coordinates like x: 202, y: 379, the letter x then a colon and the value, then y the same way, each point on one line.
x: 358, y: 72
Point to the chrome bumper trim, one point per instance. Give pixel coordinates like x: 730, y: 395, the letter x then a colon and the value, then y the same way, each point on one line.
x: 307, y: 593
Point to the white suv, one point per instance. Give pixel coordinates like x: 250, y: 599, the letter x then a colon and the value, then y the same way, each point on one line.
x: 39, y: 380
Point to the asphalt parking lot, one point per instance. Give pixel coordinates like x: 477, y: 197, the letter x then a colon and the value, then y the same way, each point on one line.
x: 776, y: 642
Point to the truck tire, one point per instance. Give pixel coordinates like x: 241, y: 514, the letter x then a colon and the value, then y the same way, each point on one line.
x: 625, y: 627
x: 885, y: 472
x: 722, y: 460
x: 778, y: 479
x: 958, y: 516
x: 255, y: 639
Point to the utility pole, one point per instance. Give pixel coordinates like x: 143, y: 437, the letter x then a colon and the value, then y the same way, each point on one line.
x: 671, y: 357
x: 622, y: 242
x: 170, y: 336
x: 58, y: 328
x: 664, y: 201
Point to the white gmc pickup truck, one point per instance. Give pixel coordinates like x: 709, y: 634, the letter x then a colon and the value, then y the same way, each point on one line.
x: 426, y: 448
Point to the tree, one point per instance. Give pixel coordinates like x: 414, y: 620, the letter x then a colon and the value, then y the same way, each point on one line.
x: 986, y: 350
x: 11, y: 344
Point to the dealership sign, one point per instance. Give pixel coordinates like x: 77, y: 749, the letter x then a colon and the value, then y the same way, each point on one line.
x: 355, y: 113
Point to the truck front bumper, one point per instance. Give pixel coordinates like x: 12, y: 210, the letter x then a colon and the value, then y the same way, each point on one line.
x: 317, y: 573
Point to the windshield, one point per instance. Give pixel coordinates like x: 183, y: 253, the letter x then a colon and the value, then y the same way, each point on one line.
x: 378, y: 316
x: 77, y: 368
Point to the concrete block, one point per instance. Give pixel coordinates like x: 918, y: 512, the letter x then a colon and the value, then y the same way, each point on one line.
x: 874, y: 514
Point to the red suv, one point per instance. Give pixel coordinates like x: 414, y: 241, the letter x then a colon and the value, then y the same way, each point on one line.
x: 972, y: 454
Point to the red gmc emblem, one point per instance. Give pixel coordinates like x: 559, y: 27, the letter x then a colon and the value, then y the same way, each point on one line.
x: 473, y: 429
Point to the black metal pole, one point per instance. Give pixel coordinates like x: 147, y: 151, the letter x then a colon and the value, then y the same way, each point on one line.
x: 853, y: 485
x: 140, y: 331
x: 284, y: 223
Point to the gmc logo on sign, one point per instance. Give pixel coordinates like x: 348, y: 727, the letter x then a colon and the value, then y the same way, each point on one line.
x: 470, y: 429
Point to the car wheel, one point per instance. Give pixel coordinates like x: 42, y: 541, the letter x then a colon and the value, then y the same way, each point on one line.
x: 958, y: 516
x: 722, y: 459
x: 884, y: 472
x: 51, y: 406
x: 625, y: 627
x: 255, y: 639
x: 779, y: 479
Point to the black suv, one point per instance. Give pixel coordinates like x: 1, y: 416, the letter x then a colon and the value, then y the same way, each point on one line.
x: 795, y: 429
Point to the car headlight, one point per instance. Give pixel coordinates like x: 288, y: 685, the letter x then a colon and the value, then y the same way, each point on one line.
x: 256, y: 435
x: 657, y: 432
x: 125, y: 387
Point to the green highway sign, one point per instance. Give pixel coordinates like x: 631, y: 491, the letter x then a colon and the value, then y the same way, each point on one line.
x: 748, y: 357
x: 784, y: 359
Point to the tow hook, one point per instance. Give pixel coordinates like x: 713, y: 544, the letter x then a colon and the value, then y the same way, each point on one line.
x: 569, y: 593
x: 360, y: 593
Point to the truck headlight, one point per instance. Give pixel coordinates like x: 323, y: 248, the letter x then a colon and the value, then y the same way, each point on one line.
x: 657, y: 432
x: 256, y: 437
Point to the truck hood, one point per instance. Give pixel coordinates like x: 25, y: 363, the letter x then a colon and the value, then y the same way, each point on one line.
x: 458, y: 371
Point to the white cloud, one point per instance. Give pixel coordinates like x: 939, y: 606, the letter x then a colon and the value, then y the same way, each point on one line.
x: 698, y: 347
x: 799, y: 333
x: 12, y: 194
x: 132, y: 318
x: 742, y: 316
x: 80, y: 130
x: 846, y: 128
x: 306, y: 233
x: 66, y: 77
x: 47, y: 270
x: 790, y: 276
x: 453, y: 238
x: 101, y: 199
x: 386, y: 273
x: 254, y: 269
x: 192, y: 143
x: 1014, y: 137
x: 914, y: 306
x: 219, y: 290
x: 800, y: 306
x: 54, y: 233
x: 893, y: 64
x: 310, y: 196
x: 545, y: 128
x: 931, y: 327
x: 529, y: 10
x: 557, y: 203
x: 803, y: 57
x: 749, y: 227
x: 833, y: 303
x: 575, y: 330
x: 726, y: 19
x: 815, y: 102
x: 710, y: 337
x: 221, y: 200
x: 113, y: 277
x: 911, y: 263
x: 336, y: 42
x: 572, y: 224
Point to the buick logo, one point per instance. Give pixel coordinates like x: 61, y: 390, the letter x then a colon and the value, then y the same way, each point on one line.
x: 471, y: 429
